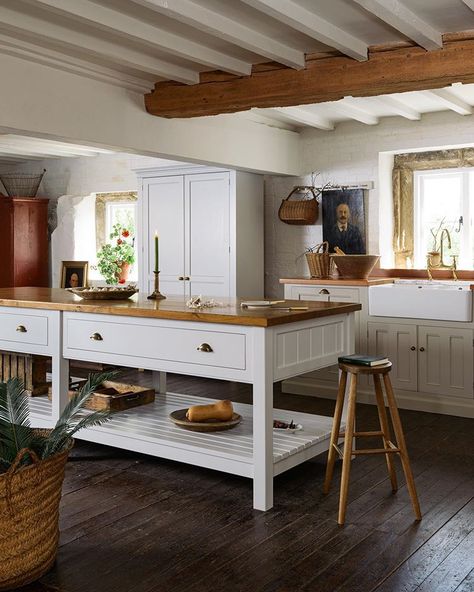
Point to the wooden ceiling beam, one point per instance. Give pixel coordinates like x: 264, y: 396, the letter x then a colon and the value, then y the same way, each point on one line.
x: 299, y: 18
x: 325, y: 78
x: 404, y: 20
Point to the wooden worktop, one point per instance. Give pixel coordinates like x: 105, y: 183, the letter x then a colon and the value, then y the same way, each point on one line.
x: 372, y: 281
x: 172, y: 308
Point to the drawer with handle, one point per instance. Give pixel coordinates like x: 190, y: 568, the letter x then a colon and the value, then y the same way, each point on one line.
x: 134, y: 340
x: 24, y: 328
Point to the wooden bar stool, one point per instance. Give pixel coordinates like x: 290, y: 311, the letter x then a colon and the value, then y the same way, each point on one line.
x: 389, y: 448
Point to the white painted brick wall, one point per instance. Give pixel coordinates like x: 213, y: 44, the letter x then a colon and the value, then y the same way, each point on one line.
x: 350, y: 154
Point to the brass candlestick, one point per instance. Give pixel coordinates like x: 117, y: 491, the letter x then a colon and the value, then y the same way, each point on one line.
x: 157, y: 295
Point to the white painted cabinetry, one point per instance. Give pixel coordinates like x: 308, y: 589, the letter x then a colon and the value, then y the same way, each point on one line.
x: 329, y: 293
x: 210, y: 226
x: 399, y: 343
x: 432, y: 360
x: 429, y: 359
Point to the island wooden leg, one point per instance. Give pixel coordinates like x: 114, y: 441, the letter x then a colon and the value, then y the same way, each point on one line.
x: 263, y: 421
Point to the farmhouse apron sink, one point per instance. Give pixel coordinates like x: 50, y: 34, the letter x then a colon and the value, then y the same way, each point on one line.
x: 422, y: 299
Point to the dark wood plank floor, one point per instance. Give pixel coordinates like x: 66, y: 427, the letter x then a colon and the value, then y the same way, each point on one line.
x: 132, y: 523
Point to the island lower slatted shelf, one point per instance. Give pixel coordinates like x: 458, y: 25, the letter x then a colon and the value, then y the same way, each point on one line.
x: 148, y: 429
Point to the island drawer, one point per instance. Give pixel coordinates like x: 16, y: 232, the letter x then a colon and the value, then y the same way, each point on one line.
x: 155, y: 340
x: 24, y: 328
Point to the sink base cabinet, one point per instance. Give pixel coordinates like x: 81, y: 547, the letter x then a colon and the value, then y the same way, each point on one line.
x: 432, y: 361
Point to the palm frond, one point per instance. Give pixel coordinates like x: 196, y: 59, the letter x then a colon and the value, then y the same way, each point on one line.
x: 15, y: 430
x: 77, y: 402
x: 72, y: 420
x: 58, y: 442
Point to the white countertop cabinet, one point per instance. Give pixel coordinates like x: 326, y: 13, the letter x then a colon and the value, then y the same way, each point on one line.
x: 244, y: 352
x: 432, y: 360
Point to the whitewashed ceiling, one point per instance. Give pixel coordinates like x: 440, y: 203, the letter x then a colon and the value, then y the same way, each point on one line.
x: 135, y: 43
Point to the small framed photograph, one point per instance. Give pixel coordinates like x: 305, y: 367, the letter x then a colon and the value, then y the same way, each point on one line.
x: 344, y: 220
x: 74, y: 274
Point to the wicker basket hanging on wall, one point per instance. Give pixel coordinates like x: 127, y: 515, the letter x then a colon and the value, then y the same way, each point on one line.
x: 300, y: 211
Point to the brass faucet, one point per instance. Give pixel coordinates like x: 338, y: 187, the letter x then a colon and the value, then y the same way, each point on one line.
x: 444, y: 233
x: 442, y: 265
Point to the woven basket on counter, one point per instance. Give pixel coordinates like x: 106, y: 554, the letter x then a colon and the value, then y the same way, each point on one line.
x: 29, y: 515
x: 300, y: 211
x: 319, y: 261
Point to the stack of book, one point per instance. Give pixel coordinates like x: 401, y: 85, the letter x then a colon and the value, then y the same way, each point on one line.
x: 360, y: 360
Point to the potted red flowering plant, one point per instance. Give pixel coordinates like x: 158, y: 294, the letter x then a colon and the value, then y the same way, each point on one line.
x: 116, y: 257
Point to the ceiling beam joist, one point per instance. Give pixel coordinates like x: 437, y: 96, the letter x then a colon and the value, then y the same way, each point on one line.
x: 469, y: 3
x: 299, y: 18
x: 388, y: 71
x: 348, y: 107
x: 404, y: 20
x: 225, y: 28
x: 400, y: 108
x: 56, y: 59
x: 305, y: 117
x: 157, y: 38
x: 451, y: 101
x: 30, y: 27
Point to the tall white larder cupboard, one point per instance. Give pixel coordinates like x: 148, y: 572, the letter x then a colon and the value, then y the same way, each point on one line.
x: 210, y: 228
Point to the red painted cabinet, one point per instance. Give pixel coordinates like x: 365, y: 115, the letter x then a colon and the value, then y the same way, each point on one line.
x: 24, y: 257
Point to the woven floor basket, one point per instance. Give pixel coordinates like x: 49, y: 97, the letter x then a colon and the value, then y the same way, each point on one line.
x: 29, y: 519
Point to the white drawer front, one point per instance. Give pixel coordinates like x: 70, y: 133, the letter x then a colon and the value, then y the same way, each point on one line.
x: 228, y: 350
x: 24, y: 328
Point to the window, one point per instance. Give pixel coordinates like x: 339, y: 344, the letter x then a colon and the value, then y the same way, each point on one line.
x: 116, y: 208
x: 443, y: 200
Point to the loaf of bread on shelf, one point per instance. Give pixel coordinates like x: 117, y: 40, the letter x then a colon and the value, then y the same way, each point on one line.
x: 221, y: 411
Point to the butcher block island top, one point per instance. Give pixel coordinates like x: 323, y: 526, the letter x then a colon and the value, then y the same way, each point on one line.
x: 173, y: 308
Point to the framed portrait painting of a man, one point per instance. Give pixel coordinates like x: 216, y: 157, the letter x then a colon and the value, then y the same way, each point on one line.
x: 344, y: 220
x: 74, y: 274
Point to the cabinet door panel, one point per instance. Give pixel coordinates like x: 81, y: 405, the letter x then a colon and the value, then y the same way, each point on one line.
x: 207, y: 221
x: 395, y: 341
x: 165, y: 196
x: 445, y: 366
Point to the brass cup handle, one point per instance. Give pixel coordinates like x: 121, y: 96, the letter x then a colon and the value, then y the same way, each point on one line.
x: 186, y: 277
x: 413, y: 348
x: 181, y: 278
x: 96, y: 337
x: 324, y: 291
x: 21, y: 329
x: 422, y: 349
x: 205, y: 347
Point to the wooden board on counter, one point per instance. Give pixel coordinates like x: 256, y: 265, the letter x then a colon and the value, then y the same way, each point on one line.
x: 173, y: 308
x: 372, y: 281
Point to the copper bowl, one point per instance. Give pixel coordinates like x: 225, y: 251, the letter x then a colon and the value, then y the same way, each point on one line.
x: 355, y: 267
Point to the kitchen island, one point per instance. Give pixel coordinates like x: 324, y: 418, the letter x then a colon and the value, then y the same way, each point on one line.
x: 259, y: 347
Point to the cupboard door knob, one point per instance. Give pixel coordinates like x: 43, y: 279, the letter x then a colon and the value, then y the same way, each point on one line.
x: 422, y: 349
x: 96, y: 337
x: 324, y: 291
x: 21, y: 329
x: 412, y: 348
x: 205, y: 347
